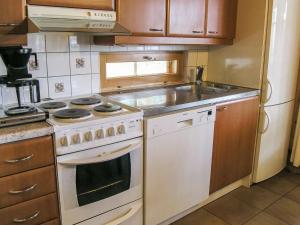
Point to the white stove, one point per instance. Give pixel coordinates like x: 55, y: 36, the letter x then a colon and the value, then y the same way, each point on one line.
x: 99, y: 148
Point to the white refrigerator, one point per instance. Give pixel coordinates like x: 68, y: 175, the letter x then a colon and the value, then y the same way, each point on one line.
x: 279, y: 82
x: 265, y: 55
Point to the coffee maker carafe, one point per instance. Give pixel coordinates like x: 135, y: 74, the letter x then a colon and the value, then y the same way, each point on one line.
x: 26, y: 90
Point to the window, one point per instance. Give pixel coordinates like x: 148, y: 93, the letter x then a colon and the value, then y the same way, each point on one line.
x: 126, y: 70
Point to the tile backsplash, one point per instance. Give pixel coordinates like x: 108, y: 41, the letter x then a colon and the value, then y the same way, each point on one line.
x: 68, y: 65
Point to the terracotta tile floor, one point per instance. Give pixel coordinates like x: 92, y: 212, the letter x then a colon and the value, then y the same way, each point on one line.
x: 272, y: 202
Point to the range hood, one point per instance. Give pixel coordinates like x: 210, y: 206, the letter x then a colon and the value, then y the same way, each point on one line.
x: 60, y: 19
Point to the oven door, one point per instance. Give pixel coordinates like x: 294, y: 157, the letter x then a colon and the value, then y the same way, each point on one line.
x: 98, y: 180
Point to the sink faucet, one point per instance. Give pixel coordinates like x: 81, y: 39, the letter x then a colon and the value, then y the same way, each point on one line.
x: 200, y: 70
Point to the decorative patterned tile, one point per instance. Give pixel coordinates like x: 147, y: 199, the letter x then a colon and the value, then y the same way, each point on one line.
x: 59, y: 87
x: 56, y: 42
x: 80, y: 63
x: 81, y: 85
x: 58, y: 64
x: 39, y: 70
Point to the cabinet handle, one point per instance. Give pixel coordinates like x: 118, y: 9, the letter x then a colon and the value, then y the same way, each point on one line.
x: 271, y: 91
x: 213, y: 32
x: 223, y: 109
x: 198, y: 31
x: 26, y: 158
x: 8, y: 24
x: 24, y: 220
x: 268, y: 123
x: 156, y: 30
x: 31, y: 188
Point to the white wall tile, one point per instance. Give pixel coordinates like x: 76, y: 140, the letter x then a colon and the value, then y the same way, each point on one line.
x: 79, y: 43
x: 39, y: 70
x: 96, y: 83
x: 166, y: 48
x: 37, y: 42
x: 56, y: 42
x: 202, y: 58
x: 3, y: 70
x: 117, y: 48
x: 81, y: 85
x: 100, y: 48
x: 151, y: 48
x: 58, y: 64
x: 191, y: 58
x: 136, y: 48
x: 44, y: 89
x: 59, y: 87
x: 95, y: 62
x: 80, y: 63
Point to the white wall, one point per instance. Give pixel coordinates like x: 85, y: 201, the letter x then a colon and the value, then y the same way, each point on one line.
x: 58, y: 53
x: 241, y: 63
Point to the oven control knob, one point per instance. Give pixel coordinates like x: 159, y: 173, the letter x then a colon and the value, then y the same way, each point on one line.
x: 111, y: 131
x: 121, y: 129
x: 99, y: 134
x: 64, y: 141
x: 88, y: 136
x: 76, y: 139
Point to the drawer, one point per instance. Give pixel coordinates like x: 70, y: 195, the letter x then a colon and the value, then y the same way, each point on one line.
x: 21, y: 156
x: 52, y: 222
x: 32, y: 212
x: 26, y: 186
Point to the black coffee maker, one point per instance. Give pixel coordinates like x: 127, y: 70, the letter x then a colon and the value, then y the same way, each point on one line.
x: 16, y: 60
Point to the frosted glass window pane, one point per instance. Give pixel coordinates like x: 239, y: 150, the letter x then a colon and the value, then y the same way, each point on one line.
x: 153, y: 67
x: 123, y: 69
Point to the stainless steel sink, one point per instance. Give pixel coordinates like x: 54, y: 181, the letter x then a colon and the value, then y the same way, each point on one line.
x: 220, y: 86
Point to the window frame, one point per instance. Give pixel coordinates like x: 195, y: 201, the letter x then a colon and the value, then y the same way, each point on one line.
x: 120, y: 83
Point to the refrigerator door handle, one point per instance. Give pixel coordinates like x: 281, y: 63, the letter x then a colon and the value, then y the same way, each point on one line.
x: 268, y: 123
x: 271, y: 90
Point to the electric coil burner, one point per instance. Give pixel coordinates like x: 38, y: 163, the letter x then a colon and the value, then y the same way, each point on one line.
x: 53, y: 105
x: 72, y: 114
x: 108, y: 108
x: 86, y: 101
x: 22, y: 110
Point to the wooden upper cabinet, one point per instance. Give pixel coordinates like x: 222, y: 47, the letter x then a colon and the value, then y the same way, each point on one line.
x: 186, y: 18
x: 234, y: 142
x: 143, y: 17
x: 12, y: 15
x: 86, y: 4
x: 221, y: 18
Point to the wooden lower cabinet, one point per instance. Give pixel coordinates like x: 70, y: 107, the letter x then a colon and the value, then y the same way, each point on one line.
x: 32, y: 212
x: 234, y: 142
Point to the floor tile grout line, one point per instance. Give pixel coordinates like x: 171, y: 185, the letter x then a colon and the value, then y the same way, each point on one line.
x: 216, y: 216
x: 278, y: 218
x: 252, y: 217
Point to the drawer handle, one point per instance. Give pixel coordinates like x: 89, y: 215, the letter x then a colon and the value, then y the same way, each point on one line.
x: 198, y: 31
x: 7, y: 24
x: 19, y: 160
x: 35, y: 215
x: 222, y: 109
x: 212, y: 32
x: 31, y: 188
x: 156, y: 30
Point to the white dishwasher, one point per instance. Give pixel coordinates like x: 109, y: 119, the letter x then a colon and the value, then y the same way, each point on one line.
x: 178, y: 155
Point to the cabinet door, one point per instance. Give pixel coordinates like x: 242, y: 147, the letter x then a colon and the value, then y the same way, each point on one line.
x: 186, y: 18
x: 146, y: 17
x: 234, y: 142
x: 221, y: 18
x: 86, y: 4
x: 12, y: 14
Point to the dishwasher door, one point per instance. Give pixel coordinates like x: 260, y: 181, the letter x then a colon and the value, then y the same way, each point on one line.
x: 178, y: 154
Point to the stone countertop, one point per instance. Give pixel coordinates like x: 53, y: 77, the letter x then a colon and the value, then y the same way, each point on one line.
x: 167, y: 99
x: 25, y: 131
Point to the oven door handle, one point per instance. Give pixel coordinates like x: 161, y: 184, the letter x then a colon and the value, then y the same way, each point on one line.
x: 103, y: 157
x: 134, y: 209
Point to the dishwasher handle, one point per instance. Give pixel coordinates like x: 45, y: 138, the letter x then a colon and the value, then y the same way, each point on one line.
x: 185, y: 123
